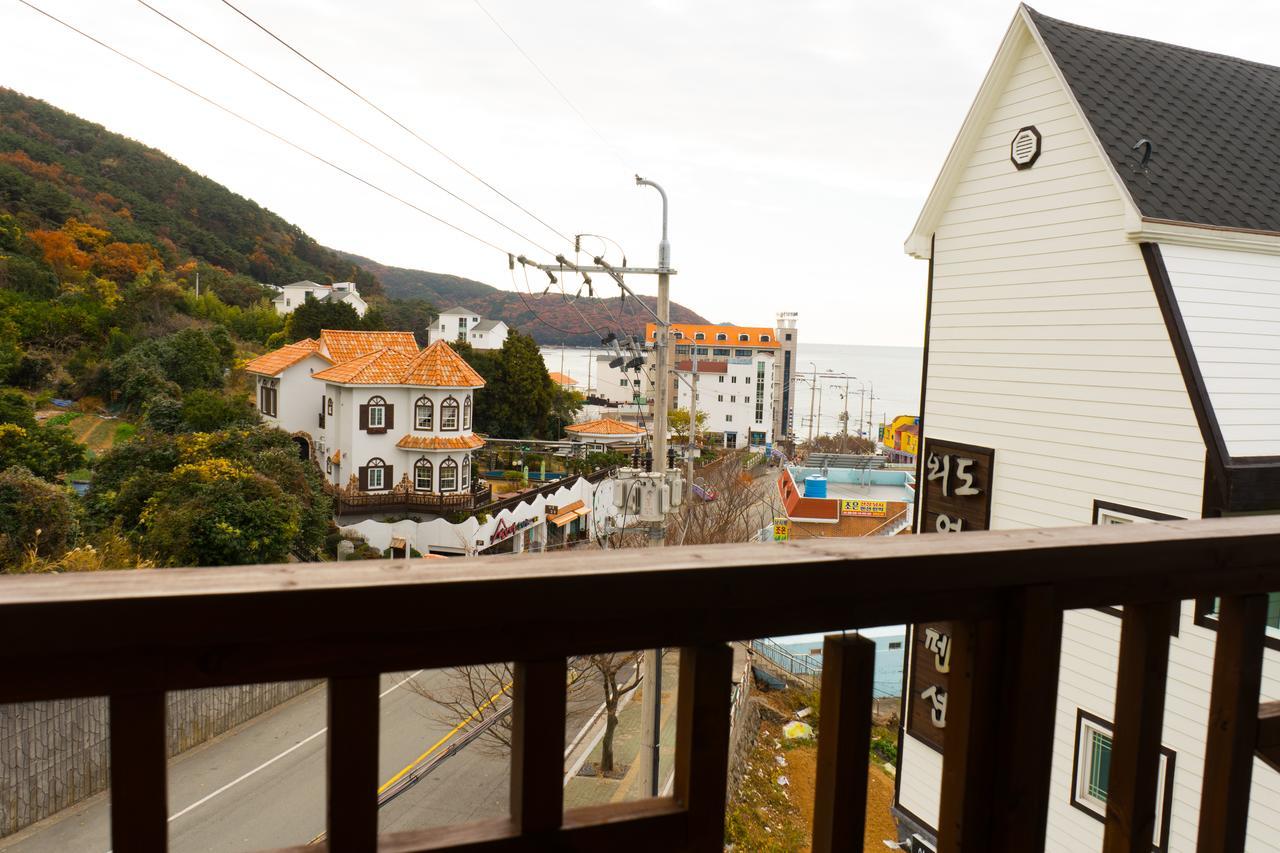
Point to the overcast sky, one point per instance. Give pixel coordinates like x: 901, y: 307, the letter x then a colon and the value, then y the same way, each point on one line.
x: 797, y: 140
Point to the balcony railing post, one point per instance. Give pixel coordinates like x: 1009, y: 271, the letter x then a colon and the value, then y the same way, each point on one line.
x: 537, y: 744
x: 139, y: 789
x: 702, y: 741
x: 352, y: 796
x: 1139, y: 725
x: 1233, y: 723
x: 848, y: 676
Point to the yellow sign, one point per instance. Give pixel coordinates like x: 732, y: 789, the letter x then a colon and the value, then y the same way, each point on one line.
x: 782, y: 530
x: 863, y: 508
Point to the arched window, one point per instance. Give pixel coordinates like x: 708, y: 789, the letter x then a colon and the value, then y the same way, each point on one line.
x: 744, y: 337
x: 422, y: 471
x: 449, y: 416
x: 424, y: 413
x: 721, y: 336
x: 449, y: 475
x: 375, y: 476
x: 376, y: 415
x: 466, y: 412
x: 679, y: 335
x: 466, y: 470
x: 765, y: 339
x: 699, y: 336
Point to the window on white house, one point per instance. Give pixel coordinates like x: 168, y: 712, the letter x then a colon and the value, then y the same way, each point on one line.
x: 626, y: 383
x: 720, y: 351
x: 742, y: 353
x: 733, y: 398
x: 375, y: 478
x: 1091, y: 781
x: 721, y: 336
x: 466, y: 413
x: 744, y: 337
x: 764, y: 339
x: 721, y: 378
x: 728, y: 419
x: 699, y: 336
x: 735, y: 380
x: 448, y: 476
x: 422, y: 471
x: 269, y: 399
x: 449, y: 415
x: 719, y: 398
x: 466, y: 470
x: 424, y: 412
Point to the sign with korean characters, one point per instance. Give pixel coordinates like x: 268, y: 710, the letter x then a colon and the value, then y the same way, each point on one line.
x: 955, y: 489
x: 782, y: 530
x: 861, y: 507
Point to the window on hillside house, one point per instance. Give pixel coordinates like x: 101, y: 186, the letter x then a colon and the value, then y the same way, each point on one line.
x: 733, y: 398
x: 721, y: 336
x: 466, y: 413
x: 764, y: 339
x: 721, y: 378
x: 699, y: 336
x: 424, y: 413
x: 449, y: 415
x: 466, y: 470
x: 268, y: 399
x: 376, y: 475
x: 720, y: 351
x: 700, y: 350
x: 1091, y: 782
x: 744, y: 337
x: 742, y: 353
x: 376, y: 415
x: 449, y: 475
x: 719, y: 398
x: 728, y: 419
x: 735, y: 380
x: 422, y: 471
x: 329, y: 405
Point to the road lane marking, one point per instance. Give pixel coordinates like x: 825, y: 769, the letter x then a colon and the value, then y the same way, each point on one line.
x: 270, y: 761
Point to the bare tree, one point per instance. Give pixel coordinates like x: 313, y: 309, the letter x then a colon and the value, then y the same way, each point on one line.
x: 609, y: 671
x: 739, y: 508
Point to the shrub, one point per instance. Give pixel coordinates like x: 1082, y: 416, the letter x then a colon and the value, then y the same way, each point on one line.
x: 35, y: 518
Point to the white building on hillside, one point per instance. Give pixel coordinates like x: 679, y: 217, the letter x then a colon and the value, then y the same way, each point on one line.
x: 390, y: 425
x: 463, y: 324
x: 736, y: 394
x: 1102, y: 348
x: 290, y: 296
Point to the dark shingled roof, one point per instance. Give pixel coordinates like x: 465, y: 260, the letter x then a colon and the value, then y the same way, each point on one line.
x: 1213, y: 122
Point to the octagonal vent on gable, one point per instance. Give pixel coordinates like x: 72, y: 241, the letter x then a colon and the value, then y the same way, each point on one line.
x: 1024, y: 150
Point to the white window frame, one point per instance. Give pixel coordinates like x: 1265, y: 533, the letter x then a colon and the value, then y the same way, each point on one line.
x: 418, y: 406
x: 380, y: 485
x: 418, y: 467
x: 1089, y: 726
x: 377, y: 417
x: 452, y: 484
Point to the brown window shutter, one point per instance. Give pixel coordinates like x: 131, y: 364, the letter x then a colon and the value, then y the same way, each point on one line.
x: 387, y: 482
x: 363, y: 473
x: 364, y: 418
x: 390, y: 421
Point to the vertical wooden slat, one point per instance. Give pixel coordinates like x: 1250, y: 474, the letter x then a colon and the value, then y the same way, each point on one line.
x: 537, y: 744
x: 702, y: 741
x: 1268, y: 746
x: 1032, y: 647
x: 1233, y: 723
x: 139, y: 789
x: 970, y: 741
x: 352, y: 805
x: 1139, y: 723
x: 839, y: 810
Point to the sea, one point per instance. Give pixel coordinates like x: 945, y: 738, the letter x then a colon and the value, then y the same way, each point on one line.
x: 887, y: 382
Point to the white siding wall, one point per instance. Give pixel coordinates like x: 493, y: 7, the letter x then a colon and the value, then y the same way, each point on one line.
x: 1230, y: 303
x: 1047, y: 343
x: 359, y: 446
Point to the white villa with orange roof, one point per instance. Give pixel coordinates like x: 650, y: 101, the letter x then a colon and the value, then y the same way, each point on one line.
x: 605, y: 434
x: 390, y: 424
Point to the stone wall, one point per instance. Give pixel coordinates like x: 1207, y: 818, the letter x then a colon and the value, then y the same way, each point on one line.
x: 55, y: 754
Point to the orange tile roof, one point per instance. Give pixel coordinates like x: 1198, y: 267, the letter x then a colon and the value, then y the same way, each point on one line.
x: 380, y: 367
x: 428, y: 442
x: 562, y: 378
x: 438, y: 366
x: 288, y: 355
x: 605, y: 426
x: 343, y: 345
x: 688, y: 331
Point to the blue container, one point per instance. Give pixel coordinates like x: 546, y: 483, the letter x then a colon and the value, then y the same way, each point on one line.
x: 815, y: 486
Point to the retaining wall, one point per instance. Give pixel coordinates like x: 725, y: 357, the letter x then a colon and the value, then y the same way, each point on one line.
x: 55, y: 754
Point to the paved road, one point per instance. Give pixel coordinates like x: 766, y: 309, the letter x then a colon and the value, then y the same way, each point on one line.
x: 262, y: 785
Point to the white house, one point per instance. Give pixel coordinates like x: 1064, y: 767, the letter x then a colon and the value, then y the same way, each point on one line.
x: 735, y: 393
x: 290, y: 296
x: 605, y: 434
x: 391, y: 425
x: 1102, y: 348
x: 463, y: 324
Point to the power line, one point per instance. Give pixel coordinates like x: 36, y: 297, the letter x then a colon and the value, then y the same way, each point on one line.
x: 342, y: 126
x: 613, y: 148
x: 393, y: 119
x: 265, y: 130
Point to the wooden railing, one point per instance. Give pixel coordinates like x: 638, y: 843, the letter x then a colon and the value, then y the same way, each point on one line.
x: 402, y: 496
x: 135, y: 635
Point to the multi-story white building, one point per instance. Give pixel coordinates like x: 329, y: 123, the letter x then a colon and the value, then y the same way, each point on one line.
x: 736, y: 394
x: 1101, y: 347
x: 388, y: 423
x: 463, y: 324
x: 290, y: 296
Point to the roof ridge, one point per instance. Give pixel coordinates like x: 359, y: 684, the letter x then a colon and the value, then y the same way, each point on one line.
x: 1039, y: 16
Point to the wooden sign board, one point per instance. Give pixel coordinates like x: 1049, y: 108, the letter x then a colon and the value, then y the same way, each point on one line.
x: 955, y: 489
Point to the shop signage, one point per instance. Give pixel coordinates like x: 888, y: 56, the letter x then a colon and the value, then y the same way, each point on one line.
x: 956, y: 495
x: 861, y: 507
x: 781, y: 529
x: 505, y: 530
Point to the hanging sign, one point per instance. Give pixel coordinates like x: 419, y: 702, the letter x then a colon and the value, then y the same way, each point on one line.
x: 782, y: 530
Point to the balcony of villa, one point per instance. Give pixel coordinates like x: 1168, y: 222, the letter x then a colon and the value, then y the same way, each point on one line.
x: 405, y: 497
x: 134, y: 635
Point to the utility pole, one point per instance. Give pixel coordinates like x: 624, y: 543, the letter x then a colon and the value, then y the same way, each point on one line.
x: 871, y: 408
x: 813, y: 389
x: 844, y: 438
x: 197, y: 281
x: 651, y: 735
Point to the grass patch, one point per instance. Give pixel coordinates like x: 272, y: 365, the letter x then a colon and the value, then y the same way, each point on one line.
x: 124, y: 432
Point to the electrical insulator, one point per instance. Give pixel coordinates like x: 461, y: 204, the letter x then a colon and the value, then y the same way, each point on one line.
x: 648, y: 461
x: 671, y: 457
x: 635, y: 458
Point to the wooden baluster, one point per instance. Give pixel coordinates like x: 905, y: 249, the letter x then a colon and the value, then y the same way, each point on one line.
x: 352, y: 805
x: 839, y: 810
x: 1001, y: 703
x: 1268, y: 746
x: 1139, y: 723
x: 537, y: 745
x: 1233, y: 723
x: 702, y: 741
x: 139, y: 759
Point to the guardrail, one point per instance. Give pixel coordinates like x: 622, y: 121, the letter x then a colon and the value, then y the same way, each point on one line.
x: 132, y: 636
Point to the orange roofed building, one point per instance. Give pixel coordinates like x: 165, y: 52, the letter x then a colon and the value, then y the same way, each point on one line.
x: 605, y: 433
x: 389, y: 424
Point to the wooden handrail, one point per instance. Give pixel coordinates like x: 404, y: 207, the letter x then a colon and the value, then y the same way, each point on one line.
x: 133, y: 635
